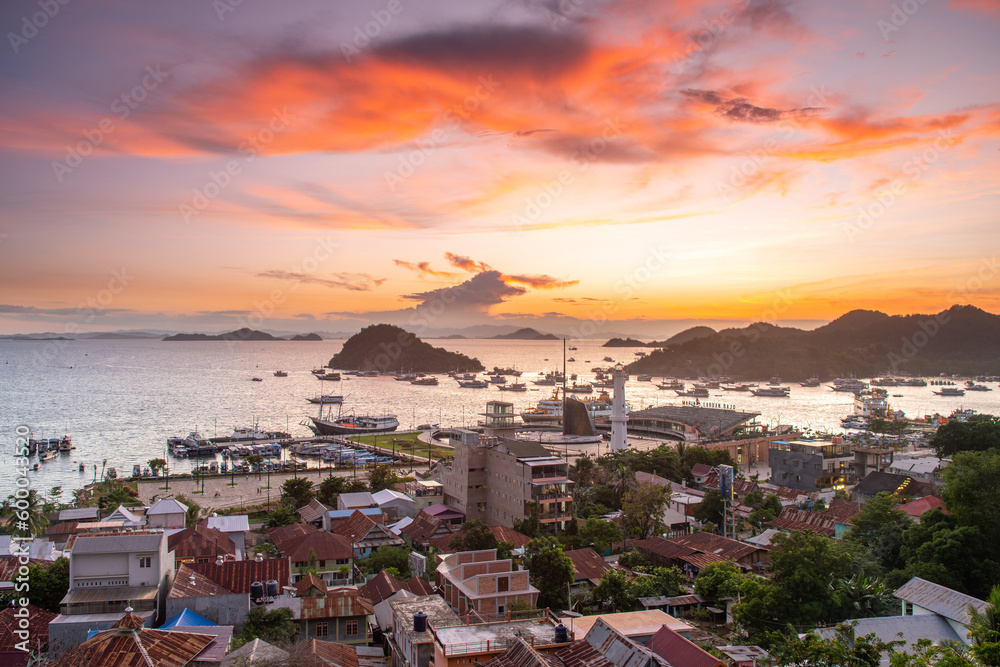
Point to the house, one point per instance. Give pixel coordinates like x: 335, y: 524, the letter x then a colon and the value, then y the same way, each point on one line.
x: 365, y: 535
x: 188, y: 621
x: 920, y: 597
x: 639, y: 626
x: 395, y: 505
x: 329, y: 615
x: 678, y: 606
x: 909, y: 629
x: 307, y: 548
x: 353, y: 501
x: 477, y: 581
x: 692, y: 552
x: 811, y: 465
x: 220, y: 592
x: 501, y: 533
x: 897, y: 485
x: 679, y: 651
x: 333, y: 518
x: 200, y: 544
x: 424, y: 493
x: 313, y: 513
x: 256, y: 652
x: 700, y: 472
x: 449, y: 515
x: 917, y: 508
x: 744, y: 656
x: 129, y: 643
x: 588, y: 567
x: 167, y: 513
x: 80, y: 515
x: 37, y: 631
x: 424, y: 529
x: 36, y: 549
x: 410, y: 642
x: 477, y: 643
x: 235, y: 526
x: 9, y: 570
x: 520, y: 653
x: 316, y: 653
x: 384, y: 585
x: 603, y: 645
x: 130, y: 519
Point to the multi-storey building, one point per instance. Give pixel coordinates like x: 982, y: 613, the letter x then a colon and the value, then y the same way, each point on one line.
x: 477, y: 581
x: 811, y: 465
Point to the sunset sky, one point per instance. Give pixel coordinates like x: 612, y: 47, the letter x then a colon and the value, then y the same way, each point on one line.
x: 316, y: 166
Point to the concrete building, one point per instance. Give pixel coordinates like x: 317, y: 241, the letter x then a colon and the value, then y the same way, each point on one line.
x: 498, y: 481
x: 329, y: 615
x: 477, y: 581
x: 394, y: 504
x: 333, y: 554
x: 812, y: 465
x: 355, y: 501
x: 691, y: 423
x: 365, y: 535
x: 920, y: 597
x: 221, y: 592
x: 200, y: 544
x: 411, y: 641
x: 167, y: 513
x: 235, y: 526
x: 424, y: 493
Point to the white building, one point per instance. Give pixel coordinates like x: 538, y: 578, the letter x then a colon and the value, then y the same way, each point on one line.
x: 167, y: 513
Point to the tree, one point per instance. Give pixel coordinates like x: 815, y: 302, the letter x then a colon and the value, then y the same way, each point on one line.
x: 719, y: 580
x: 622, y: 478
x: 980, y: 433
x: 280, y: 516
x: 275, y: 627
x: 984, y: 629
x: 505, y: 550
x: 382, y: 477
x: 971, y: 492
x: 193, y: 514
x: 879, y: 527
x: 30, y: 510
x: 845, y: 649
x: 642, y: 509
x: 296, y: 492
x: 583, y: 471
x: 475, y: 536
x: 255, y: 461
x: 861, y: 596
x: 156, y: 465
x: 550, y: 571
x: 385, y: 557
x: 49, y: 583
x: 615, y: 592
x: 331, y: 488
x: 600, y: 533
x: 530, y: 526
x: 711, y: 509
x: 766, y: 507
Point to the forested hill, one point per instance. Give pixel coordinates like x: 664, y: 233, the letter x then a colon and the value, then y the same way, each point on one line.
x: 962, y: 339
x: 384, y: 347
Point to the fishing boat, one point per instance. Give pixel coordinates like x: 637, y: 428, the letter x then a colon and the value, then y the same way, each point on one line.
x: 642, y: 377
x: 327, y: 399
x: 700, y: 392
x: 972, y: 386
x: 426, y: 381
x: 473, y: 384
x: 355, y: 425
x: 811, y: 382
x: 950, y: 391
x: 49, y: 455
x: 670, y: 384
x: 771, y: 392
x: 581, y: 388
x: 498, y: 379
x: 736, y: 387
x: 256, y: 379
x: 280, y: 374
x: 851, y: 385
x: 328, y: 376
x: 513, y: 386
x: 318, y: 371
x: 65, y: 445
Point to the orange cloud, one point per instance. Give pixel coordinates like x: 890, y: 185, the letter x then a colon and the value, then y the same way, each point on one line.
x: 424, y: 268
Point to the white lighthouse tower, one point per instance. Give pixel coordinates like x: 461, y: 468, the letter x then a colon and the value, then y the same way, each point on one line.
x: 618, y: 417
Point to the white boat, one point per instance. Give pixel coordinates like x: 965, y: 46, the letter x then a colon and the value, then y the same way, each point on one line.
x: 642, y: 377
x: 582, y: 388
x: 355, y: 425
x: 670, y: 384
x: 950, y: 391
x: 280, y: 374
x: 972, y: 386
x: 771, y: 392
x: 426, y: 381
x: 328, y: 376
x: 50, y: 455
x: 473, y: 384
x: 694, y: 392
x: 851, y: 385
x: 513, y: 386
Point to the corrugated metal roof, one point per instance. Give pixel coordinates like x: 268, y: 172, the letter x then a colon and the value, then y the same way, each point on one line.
x: 186, y: 618
x: 521, y: 654
x: 217, y: 648
x: 79, y: 514
x: 912, y: 629
x: 604, y: 646
x: 677, y: 650
x: 387, y: 495
x: 114, y: 594
x: 939, y: 599
x: 796, y: 519
x: 38, y: 628
x: 343, y: 603
x: 136, y: 648
x: 256, y: 650
x: 235, y: 576
x: 117, y: 543
x: 425, y: 527
x: 355, y: 500
x: 200, y: 540
x: 587, y: 564
x: 312, y: 512
x: 297, y: 544
x: 237, y: 523
x: 167, y: 506
x: 202, y: 586
x: 380, y: 587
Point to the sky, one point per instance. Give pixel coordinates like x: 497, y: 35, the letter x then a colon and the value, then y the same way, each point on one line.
x: 577, y: 166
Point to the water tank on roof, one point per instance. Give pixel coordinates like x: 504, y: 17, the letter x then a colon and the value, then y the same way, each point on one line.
x: 256, y: 591
x: 562, y: 634
x: 420, y: 622
x: 272, y: 588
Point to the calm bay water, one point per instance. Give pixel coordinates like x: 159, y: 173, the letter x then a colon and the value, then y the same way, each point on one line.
x: 121, y: 399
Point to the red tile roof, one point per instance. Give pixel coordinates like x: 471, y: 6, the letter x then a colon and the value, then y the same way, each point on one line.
x: 200, y: 541
x: 382, y: 586
x: 296, y: 544
x: 306, y: 584
x: 587, y: 564
x: 917, y: 507
x: 9, y: 565
x: 425, y: 527
x: 679, y: 651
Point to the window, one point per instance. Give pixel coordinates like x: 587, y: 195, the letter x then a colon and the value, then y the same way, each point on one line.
x: 503, y: 584
x: 352, y: 628
x: 907, y: 609
x: 145, y: 561
x: 323, y: 629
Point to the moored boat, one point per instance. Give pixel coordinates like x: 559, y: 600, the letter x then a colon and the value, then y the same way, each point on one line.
x: 355, y: 425
x: 771, y: 392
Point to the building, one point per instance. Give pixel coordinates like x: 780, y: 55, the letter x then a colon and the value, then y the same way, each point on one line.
x: 692, y: 552
x: 317, y: 653
x: 200, y: 544
x: 37, y: 629
x: 167, y: 513
x: 917, y: 508
x: 479, y: 642
x: 383, y: 586
x: 424, y: 493
x: 638, y: 626
x: 680, y: 651
x: 501, y: 533
x: 221, y: 591
x: 307, y: 548
x: 920, y: 597
x: 313, y: 513
x: 425, y: 529
x: 691, y: 423
x: 477, y: 581
x: 129, y: 518
x: 812, y: 465
x: 744, y: 656
x: 871, y: 458
x: 909, y: 629
x: 365, y: 535
x: 394, y: 504
x: 411, y: 642
x: 80, y: 515
x: 588, y: 567
x: 355, y: 501
x: 897, y: 485
x: 235, y: 526
x: 329, y: 615
x: 498, y: 481
x: 332, y: 518
x: 256, y: 652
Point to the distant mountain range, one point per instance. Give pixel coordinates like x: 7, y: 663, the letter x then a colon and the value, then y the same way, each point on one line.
x: 385, y: 347
x: 244, y: 334
x: 962, y: 339
x: 526, y: 334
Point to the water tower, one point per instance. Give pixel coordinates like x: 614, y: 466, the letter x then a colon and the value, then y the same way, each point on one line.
x: 618, y: 417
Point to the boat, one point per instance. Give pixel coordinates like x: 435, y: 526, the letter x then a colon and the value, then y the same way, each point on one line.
x: 736, y: 387
x: 280, y: 374
x: 571, y: 359
x: 355, y: 425
x: 406, y: 377
x: 256, y: 379
x: 642, y: 377
x: 700, y: 392
x: 49, y: 455
x: 426, y: 381
x: 137, y: 470
x: 609, y: 359
x: 950, y: 391
x: 513, y: 386
x: 473, y: 384
x: 583, y: 388
x: 774, y: 381
x: 82, y: 467
x: 670, y: 384
x: 772, y: 392
x: 851, y: 385
x: 810, y: 382
x: 318, y: 371
x: 498, y: 379
x: 913, y: 382
x: 329, y: 376
x: 327, y: 398
x: 547, y: 411
x: 65, y: 445
x: 972, y: 386
x: 855, y: 422
x: 885, y: 382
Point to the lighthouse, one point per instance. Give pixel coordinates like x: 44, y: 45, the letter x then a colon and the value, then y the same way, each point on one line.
x: 618, y: 418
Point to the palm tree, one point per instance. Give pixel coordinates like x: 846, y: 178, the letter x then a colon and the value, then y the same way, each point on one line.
x: 621, y: 480
x: 984, y: 629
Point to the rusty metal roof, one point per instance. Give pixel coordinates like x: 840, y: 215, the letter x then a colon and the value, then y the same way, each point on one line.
x: 380, y: 587
x: 342, y: 603
x: 200, y: 540
x: 308, y: 582
x: 520, y: 654
x: 603, y: 646
x: 296, y: 544
x: 502, y: 533
x: 38, y: 628
x: 424, y: 527
x: 110, y: 594
x: 216, y: 650
x: 202, y: 586
x: 363, y: 531
x: 124, y: 647
x: 130, y: 621
x: 229, y: 577
x: 795, y: 519
x: 725, y: 547
x: 673, y: 647
x: 587, y: 564
x: 314, y: 511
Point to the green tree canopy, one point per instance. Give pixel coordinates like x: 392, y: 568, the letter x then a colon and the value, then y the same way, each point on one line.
x: 280, y: 516
x: 550, y: 571
x: 642, y: 509
x: 980, y: 433
x: 719, y: 580
x: 275, y: 626
x: 475, y: 536
x: 382, y: 477
x: 331, y: 488
x: 710, y: 509
x: 972, y: 492
x: 600, y: 533
x: 296, y: 492
x: 880, y: 528
x: 385, y: 557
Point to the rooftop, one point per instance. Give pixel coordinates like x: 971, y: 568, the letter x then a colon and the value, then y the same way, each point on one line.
x: 236, y: 523
x: 167, y: 506
x: 229, y: 577
x: 130, y: 644
x: 908, y: 628
x: 117, y: 543
x: 678, y: 650
x: 354, y: 500
x: 81, y: 514
x: 200, y: 540
x: 696, y: 416
x: 916, y: 508
x: 437, y: 610
x: 474, y: 638
x: 587, y: 564
x: 630, y: 623
x: 939, y: 599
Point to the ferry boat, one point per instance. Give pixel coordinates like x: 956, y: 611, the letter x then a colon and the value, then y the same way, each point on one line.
x: 950, y: 391
x: 912, y: 382
x: 736, y: 387
x: 355, y: 425
x: 473, y: 384
x: 498, y: 379
x: 548, y: 411
x: 642, y: 377
x: 583, y: 388
x: 851, y: 385
x: 972, y: 386
x: 771, y: 392
x: 810, y: 382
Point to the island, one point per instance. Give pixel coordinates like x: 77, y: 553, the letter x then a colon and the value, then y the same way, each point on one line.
x: 526, y: 333
x: 307, y: 337
x: 385, y: 347
x: 240, y: 334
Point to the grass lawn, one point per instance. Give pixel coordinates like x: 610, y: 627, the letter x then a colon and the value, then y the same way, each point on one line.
x: 406, y: 443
